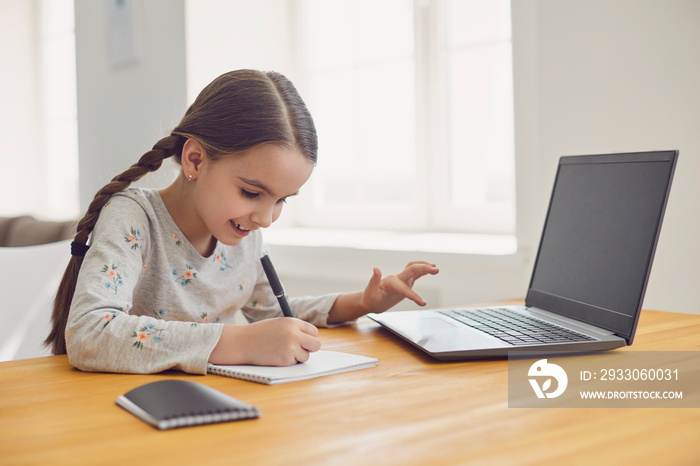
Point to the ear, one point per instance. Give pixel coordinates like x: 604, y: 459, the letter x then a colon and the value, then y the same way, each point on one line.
x: 193, y: 155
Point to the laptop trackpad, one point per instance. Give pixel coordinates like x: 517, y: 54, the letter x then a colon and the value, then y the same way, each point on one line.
x: 435, y: 334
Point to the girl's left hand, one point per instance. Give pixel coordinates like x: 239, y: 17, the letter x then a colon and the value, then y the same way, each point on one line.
x: 383, y: 293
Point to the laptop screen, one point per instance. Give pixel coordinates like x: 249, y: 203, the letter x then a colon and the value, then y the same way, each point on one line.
x: 599, y: 237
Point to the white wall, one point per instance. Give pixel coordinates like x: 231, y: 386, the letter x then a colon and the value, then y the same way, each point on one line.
x: 124, y: 109
x: 623, y: 75
x: 225, y: 35
x: 20, y: 118
x: 590, y: 77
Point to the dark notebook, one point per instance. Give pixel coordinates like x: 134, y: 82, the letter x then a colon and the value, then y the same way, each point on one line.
x: 167, y: 404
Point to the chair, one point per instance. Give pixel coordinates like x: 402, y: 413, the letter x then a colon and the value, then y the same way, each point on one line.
x: 28, y: 231
x: 29, y: 276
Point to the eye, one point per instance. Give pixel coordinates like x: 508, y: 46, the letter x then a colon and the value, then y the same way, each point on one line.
x: 249, y: 194
x: 282, y: 201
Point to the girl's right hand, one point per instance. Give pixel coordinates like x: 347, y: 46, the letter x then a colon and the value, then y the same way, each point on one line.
x: 273, y: 342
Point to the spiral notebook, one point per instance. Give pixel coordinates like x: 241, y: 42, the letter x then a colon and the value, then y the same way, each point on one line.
x: 320, y: 363
x: 167, y: 404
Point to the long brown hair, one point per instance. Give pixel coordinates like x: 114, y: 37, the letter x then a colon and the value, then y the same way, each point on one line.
x: 235, y: 112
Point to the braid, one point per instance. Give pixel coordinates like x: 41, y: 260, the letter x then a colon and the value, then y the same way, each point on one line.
x: 149, y: 162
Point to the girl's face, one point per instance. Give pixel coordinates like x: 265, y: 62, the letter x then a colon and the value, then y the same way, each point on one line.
x: 238, y: 194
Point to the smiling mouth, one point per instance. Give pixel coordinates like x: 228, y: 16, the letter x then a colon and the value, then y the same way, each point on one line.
x: 239, y: 227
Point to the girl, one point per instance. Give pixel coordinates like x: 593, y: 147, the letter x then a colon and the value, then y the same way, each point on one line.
x: 166, y: 271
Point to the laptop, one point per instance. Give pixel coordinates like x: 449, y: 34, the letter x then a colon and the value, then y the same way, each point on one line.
x: 590, y: 273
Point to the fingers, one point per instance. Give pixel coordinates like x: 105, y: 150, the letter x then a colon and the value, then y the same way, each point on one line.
x: 294, y: 342
x: 311, y: 344
x: 307, y: 345
x: 307, y: 328
x: 403, y: 283
x: 421, y: 268
x: 307, y: 341
x: 376, y: 278
x: 383, y: 293
x: 397, y: 287
x: 415, y: 270
x: 400, y: 287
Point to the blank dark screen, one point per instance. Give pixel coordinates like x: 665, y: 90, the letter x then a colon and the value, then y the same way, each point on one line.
x: 600, y: 233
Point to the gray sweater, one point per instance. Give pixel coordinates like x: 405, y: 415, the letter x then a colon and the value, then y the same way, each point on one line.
x: 147, y: 301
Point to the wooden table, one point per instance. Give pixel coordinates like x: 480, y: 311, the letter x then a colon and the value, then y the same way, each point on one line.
x: 408, y: 410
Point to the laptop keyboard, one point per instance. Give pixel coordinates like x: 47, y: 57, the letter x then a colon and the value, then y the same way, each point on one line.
x: 515, y: 328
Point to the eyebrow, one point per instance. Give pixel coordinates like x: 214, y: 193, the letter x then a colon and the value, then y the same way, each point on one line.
x: 261, y: 186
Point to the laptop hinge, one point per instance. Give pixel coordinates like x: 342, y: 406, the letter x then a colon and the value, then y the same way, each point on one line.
x: 569, y: 322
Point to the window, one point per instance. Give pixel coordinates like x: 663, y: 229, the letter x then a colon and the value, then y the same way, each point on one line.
x: 40, y: 132
x: 59, y: 109
x: 413, y: 103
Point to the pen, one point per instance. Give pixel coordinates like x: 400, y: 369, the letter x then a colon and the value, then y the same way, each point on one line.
x: 276, y: 285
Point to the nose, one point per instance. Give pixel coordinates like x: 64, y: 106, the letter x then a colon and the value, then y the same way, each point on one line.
x: 263, y: 217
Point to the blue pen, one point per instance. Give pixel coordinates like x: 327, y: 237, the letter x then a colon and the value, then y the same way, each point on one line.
x: 276, y: 285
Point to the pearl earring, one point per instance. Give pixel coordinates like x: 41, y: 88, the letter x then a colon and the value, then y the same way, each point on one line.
x: 189, y: 178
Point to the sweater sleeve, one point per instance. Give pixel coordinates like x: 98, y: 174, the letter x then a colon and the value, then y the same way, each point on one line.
x: 103, y: 333
x: 263, y: 304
